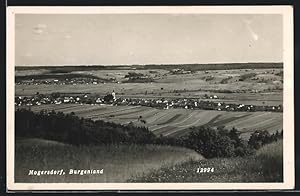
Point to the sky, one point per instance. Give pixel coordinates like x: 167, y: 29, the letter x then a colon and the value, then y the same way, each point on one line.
x: 115, y: 39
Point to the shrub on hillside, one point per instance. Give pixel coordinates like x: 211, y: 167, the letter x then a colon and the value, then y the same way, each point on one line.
x: 170, y: 141
x: 218, y: 142
x: 260, y: 138
x: 241, y: 147
x: 209, y: 142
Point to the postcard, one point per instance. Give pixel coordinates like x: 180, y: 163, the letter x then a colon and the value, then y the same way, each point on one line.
x: 150, y: 98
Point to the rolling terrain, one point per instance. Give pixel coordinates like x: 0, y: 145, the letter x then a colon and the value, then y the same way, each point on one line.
x: 119, y: 162
x: 173, y: 122
x: 249, y: 84
x: 241, y: 86
x: 264, y: 166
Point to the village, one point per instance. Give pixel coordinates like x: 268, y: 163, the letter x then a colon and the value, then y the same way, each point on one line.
x: 160, y: 103
x: 64, y: 81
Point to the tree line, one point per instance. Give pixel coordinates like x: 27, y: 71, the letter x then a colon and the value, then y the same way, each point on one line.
x: 71, y: 129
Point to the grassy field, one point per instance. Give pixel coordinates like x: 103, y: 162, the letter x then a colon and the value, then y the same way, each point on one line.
x: 136, y: 163
x: 265, y: 166
x: 120, y: 163
x: 261, y: 86
x: 174, y: 122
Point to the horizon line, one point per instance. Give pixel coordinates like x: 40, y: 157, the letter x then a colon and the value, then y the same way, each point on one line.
x: 218, y: 63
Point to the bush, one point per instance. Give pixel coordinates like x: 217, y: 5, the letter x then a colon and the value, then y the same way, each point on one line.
x: 260, y: 138
x: 246, y: 76
x: 218, y: 142
x: 209, y: 143
x: 108, y: 98
x: 133, y: 74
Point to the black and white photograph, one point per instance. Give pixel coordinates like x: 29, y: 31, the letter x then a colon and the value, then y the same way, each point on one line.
x: 183, y: 97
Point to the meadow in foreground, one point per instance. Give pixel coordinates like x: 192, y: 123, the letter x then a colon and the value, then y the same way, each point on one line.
x: 120, y: 162
x: 47, y: 141
x: 265, y: 166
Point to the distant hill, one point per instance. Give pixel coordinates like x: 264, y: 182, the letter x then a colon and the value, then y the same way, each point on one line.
x: 199, y: 67
x: 190, y: 67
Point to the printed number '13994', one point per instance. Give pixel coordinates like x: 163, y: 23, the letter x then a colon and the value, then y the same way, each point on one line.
x: 205, y: 169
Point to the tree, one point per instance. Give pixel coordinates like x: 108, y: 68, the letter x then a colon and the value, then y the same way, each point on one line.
x: 209, y: 143
x: 259, y: 138
x: 55, y: 95
x: 108, y: 98
x: 235, y: 135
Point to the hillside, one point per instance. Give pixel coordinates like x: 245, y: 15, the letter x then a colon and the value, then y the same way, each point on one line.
x: 120, y: 162
x: 59, y: 141
x: 265, y: 166
x: 173, y: 122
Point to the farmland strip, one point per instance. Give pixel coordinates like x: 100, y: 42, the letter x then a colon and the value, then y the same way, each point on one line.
x: 131, y: 112
x: 212, y: 120
x: 116, y: 114
x: 145, y: 115
x: 170, y: 120
x: 155, y: 127
x: 126, y: 108
x: 259, y: 123
x: 180, y: 132
x: 253, y: 116
x: 227, y: 120
x: 163, y: 130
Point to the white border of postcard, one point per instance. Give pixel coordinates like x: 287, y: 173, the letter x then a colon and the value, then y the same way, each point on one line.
x: 288, y: 97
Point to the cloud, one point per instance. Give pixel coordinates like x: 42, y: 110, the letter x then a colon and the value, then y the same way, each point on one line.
x: 39, y: 29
